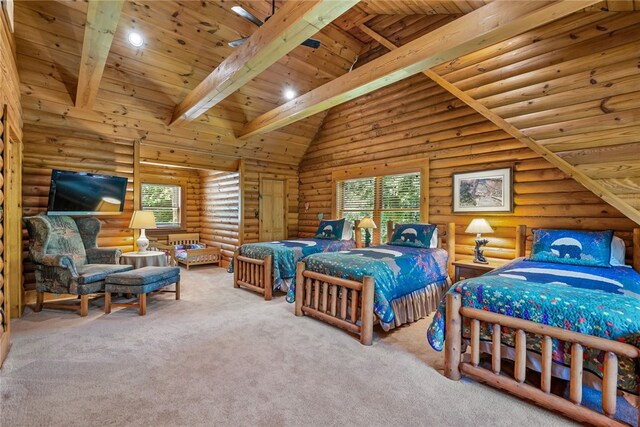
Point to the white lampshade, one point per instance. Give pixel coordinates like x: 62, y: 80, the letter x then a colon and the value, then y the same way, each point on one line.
x: 479, y: 226
x: 367, y: 222
x: 142, y: 220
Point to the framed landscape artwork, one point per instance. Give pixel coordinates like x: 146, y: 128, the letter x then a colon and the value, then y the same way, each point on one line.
x: 483, y: 191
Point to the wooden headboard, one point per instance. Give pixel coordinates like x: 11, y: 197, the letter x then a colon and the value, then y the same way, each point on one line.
x: 446, y: 240
x: 521, y: 245
x: 183, y: 239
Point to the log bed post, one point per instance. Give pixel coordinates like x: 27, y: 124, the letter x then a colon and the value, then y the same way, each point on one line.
x: 236, y: 267
x: 299, y: 288
x: 453, y: 337
x: 389, y: 230
x: 366, y: 333
x: 267, y: 279
x: 357, y: 233
x: 451, y: 247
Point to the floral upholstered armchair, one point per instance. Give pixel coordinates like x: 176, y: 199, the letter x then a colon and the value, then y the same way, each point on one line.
x: 67, y: 260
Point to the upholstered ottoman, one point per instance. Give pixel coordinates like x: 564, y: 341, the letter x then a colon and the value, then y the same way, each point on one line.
x: 141, y: 282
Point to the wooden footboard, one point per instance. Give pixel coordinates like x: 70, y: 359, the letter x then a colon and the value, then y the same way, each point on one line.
x: 201, y: 256
x: 346, y: 304
x: 571, y: 408
x: 253, y: 274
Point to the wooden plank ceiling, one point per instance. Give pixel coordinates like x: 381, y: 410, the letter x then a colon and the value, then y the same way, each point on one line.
x: 569, y: 88
x: 140, y: 88
x: 572, y: 91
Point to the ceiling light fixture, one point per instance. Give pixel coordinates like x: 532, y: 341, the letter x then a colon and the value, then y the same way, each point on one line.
x: 136, y: 39
x: 289, y: 94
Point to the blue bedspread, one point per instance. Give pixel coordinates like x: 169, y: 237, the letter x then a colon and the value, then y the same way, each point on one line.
x: 592, y: 300
x: 397, y: 270
x: 286, y: 254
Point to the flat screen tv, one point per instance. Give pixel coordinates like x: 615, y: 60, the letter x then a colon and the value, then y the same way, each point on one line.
x: 83, y: 193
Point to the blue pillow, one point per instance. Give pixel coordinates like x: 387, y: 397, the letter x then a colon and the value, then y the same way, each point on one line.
x: 592, y: 248
x: 415, y: 235
x: 330, y: 229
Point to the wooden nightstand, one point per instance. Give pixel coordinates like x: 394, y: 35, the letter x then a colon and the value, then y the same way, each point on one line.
x: 467, y: 269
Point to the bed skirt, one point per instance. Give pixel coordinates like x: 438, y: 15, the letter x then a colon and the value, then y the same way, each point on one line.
x: 418, y: 304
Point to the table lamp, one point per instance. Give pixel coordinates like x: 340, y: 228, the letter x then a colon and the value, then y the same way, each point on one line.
x: 368, y: 224
x: 478, y: 226
x: 142, y: 220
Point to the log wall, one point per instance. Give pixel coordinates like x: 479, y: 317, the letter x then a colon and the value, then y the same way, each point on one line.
x: 10, y: 155
x: 416, y: 118
x: 189, y: 181
x: 220, y: 211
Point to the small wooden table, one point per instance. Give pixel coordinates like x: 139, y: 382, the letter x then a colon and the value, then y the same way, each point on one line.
x: 467, y: 269
x: 144, y: 259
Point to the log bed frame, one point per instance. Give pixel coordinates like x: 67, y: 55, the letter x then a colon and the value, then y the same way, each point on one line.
x: 257, y: 274
x: 348, y: 304
x: 455, y: 367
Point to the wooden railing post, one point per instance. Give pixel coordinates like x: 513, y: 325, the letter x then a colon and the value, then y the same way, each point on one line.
x: 575, y: 383
x: 521, y: 356
x: 610, y: 383
x: 300, y: 285
x: 496, y: 347
x: 366, y: 332
x: 547, y: 352
x: 453, y: 337
x: 475, y: 342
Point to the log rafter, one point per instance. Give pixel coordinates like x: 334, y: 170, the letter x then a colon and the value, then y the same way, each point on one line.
x: 292, y: 24
x: 572, y: 171
x: 102, y: 21
x: 488, y: 25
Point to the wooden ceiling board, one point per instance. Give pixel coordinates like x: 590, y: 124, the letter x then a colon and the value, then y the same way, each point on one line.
x: 184, y: 42
x: 574, y: 95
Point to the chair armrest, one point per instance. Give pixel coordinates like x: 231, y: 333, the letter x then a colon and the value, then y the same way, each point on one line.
x: 103, y: 255
x: 58, y: 261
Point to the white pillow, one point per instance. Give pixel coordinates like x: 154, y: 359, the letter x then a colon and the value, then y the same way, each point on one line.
x: 434, y: 239
x: 347, y: 230
x: 618, y: 252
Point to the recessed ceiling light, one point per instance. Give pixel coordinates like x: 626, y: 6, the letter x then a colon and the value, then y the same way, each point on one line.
x: 289, y: 94
x: 136, y: 39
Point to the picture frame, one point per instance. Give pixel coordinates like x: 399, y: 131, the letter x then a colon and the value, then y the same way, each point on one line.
x: 7, y: 9
x: 483, y: 191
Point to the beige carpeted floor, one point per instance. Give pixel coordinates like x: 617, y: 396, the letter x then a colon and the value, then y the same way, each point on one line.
x: 223, y: 356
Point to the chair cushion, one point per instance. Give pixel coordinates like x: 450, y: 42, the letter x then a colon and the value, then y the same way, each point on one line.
x: 90, y: 273
x: 144, y: 276
x: 140, y: 289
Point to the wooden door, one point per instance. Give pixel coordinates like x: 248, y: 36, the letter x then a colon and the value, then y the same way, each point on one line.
x: 273, y: 209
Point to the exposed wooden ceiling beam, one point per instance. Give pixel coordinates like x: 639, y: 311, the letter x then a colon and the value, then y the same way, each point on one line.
x: 100, y: 27
x: 488, y: 25
x: 292, y: 24
x: 575, y: 173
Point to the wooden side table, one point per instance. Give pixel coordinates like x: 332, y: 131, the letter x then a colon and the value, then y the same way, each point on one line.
x: 468, y: 269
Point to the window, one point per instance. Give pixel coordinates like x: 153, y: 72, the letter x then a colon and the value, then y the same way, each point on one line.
x: 384, y: 198
x: 165, y: 201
